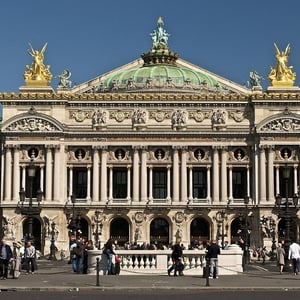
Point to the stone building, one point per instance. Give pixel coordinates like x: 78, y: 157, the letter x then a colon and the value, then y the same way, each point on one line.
x: 154, y: 150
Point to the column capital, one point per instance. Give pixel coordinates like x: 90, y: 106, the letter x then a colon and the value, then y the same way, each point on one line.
x: 103, y: 148
x: 8, y: 146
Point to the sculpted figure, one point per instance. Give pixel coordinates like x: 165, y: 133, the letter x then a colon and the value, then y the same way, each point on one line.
x: 160, y: 35
x: 64, y: 81
x: 282, y: 74
x: 37, y: 71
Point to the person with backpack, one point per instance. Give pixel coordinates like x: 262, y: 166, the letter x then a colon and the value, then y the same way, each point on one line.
x: 176, y: 256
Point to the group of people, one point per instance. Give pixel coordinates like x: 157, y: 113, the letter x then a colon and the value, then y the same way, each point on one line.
x: 79, y: 256
x: 13, y: 258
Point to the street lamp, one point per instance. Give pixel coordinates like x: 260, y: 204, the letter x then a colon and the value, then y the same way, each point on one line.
x: 285, y: 213
x: 245, y: 230
x: 52, y: 255
x: 30, y: 211
x: 73, y: 223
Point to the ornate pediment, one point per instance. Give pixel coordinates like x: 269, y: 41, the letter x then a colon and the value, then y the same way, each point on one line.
x: 31, y: 122
x: 285, y: 122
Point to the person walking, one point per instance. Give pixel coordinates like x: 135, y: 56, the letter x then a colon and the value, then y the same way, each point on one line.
x: 280, y: 253
x: 294, y: 255
x: 5, y: 257
x: 108, y: 250
x: 29, y: 255
x: 213, y: 252
x: 176, y: 259
x: 16, y: 263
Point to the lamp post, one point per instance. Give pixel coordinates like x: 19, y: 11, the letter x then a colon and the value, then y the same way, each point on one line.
x: 52, y: 255
x: 272, y: 229
x: 245, y: 231
x: 285, y: 212
x: 30, y: 211
x: 98, y: 218
x: 73, y: 222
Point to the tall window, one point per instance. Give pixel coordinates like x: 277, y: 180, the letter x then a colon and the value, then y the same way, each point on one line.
x: 80, y: 182
x: 119, y: 183
x: 239, y: 183
x: 199, y: 183
x: 159, y: 183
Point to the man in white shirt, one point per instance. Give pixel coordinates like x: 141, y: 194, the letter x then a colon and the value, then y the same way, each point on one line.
x: 294, y: 254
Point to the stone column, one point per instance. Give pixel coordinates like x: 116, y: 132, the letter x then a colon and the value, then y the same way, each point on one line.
x: 88, y: 188
x: 23, y: 184
x: 191, y: 183
x: 49, y: 171
x: 277, y: 181
x: 57, y: 174
x: 271, y: 174
x: 230, y: 197
x: 42, y: 168
x: 168, y: 182
x: 262, y: 175
x: 136, y: 175
x: 8, y: 173
x: 128, y: 182
x: 208, y: 184
x: 95, y: 195
x: 110, y: 183
x: 224, y: 175
x: 16, y: 174
x: 144, y: 175
x: 295, y: 179
x: 248, y: 181
x: 183, y: 176
x: 150, y: 183
x: 103, y: 175
x: 71, y: 192
x: 216, y: 182
x: 175, y: 175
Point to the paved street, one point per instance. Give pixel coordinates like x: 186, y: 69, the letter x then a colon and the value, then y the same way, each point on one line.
x: 57, y: 276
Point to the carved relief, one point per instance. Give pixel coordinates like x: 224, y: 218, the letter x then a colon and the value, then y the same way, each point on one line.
x: 179, y: 118
x: 237, y: 116
x: 99, y: 118
x: 199, y: 116
x: 32, y: 124
x: 139, y: 118
x: 218, y: 119
x: 282, y: 124
x: 160, y: 115
x: 80, y: 115
x: 119, y: 115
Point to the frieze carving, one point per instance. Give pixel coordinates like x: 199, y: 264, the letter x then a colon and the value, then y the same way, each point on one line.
x: 219, y: 119
x: 160, y: 115
x: 99, y: 117
x: 80, y: 115
x: 139, y: 217
x: 139, y: 117
x: 119, y: 115
x: 237, y: 116
x: 179, y: 118
x: 282, y: 124
x: 199, y: 116
x: 179, y: 217
x: 32, y: 124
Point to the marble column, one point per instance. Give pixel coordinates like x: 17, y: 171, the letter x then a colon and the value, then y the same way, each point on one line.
x: 95, y: 195
x: 248, y: 181
x: 224, y: 196
x: 103, y: 175
x: 110, y: 183
x: 183, y: 176
x: 88, y: 187
x: 144, y: 175
x: 168, y: 182
x: 16, y: 174
x: 277, y: 180
x: 42, y: 171
x: 49, y: 173
x: 191, y: 196
x: 175, y: 175
x: 128, y: 182
x: 295, y: 180
x: 8, y: 173
x: 215, y: 182
x: 262, y: 175
x: 150, y: 183
x: 208, y: 191
x: 136, y: 175
x: 271, y: 174
x: 57, y: 174
x: 71, y: 192
x: 230, y: 197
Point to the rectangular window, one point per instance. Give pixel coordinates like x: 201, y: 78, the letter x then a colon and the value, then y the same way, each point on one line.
x: 119, y: 183
x: 239, y: 183
x: 80, y: 182
x: 159, y: 183
x: 199, y: 183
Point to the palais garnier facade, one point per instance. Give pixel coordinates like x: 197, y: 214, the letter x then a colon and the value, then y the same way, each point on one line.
x: 155, y: 150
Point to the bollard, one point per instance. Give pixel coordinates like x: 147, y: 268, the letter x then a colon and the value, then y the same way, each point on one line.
x: 97, y: 272
x: 207, y: 272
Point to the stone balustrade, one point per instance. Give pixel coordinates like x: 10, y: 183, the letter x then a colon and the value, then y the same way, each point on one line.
x: 146, y: 262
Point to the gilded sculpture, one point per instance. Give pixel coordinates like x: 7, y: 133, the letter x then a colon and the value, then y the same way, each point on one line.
x: 37, y: 74
x: 282, y: 75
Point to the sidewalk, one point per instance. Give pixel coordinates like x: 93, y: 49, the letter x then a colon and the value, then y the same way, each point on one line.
x: 57, y: 275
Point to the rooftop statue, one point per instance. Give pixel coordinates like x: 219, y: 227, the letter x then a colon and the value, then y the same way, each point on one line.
x: 64, y: 81
x: 282, y: 75
x: 255, y: 79
x: 160, y: 36
x: 37, y: 73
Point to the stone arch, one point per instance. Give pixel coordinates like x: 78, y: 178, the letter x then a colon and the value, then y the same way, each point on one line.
x: 159, y: 231
x: 36, y: 232
x: 119, y: 230
x: 200, y: 231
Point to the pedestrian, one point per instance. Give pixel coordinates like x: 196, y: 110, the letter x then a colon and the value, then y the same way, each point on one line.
x: 73, y: 256
x: 89, y: 245
x: 16, y: 263
x: 108, y: 250
x: 5, y: 257
x: 176, y: 257
x: 29, y: 255
x: 213, y: 252
x: 78, y: 251
x: 280, y: 257
x: 294, y: 255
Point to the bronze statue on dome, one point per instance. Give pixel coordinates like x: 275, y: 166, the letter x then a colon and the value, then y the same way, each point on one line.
x: 37, y: 73
x: 282, y: 75
x: 160, y: 36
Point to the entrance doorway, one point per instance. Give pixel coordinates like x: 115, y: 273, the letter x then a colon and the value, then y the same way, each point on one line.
x: 119, y: 230
x: 36, y: 233
x: 159, y: 232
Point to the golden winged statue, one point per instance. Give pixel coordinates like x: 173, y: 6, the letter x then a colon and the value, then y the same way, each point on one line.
x: 282, y: 75
x: 37, y: 73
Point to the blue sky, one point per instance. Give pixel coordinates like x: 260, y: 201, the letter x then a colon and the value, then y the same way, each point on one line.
x: 90, y: 37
